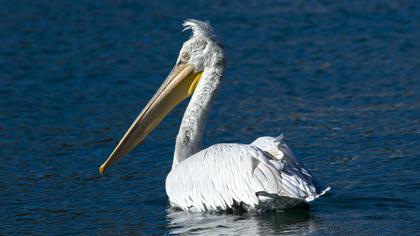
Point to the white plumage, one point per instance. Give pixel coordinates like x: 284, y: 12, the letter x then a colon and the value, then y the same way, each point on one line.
x: 258, y: 176
x: 262, y: 175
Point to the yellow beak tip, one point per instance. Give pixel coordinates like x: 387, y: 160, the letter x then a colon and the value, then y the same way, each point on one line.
x: 102, y: 169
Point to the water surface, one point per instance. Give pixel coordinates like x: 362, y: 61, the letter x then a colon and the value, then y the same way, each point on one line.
x: 341, y: 80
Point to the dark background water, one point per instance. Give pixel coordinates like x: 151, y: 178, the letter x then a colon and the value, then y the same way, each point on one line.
x: 341, y: 80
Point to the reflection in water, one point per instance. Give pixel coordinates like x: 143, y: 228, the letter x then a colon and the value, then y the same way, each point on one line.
x: 291, y: 222
x: 339, y: 78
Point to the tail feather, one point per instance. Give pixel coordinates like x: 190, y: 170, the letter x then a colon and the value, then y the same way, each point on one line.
x: 296, y: 180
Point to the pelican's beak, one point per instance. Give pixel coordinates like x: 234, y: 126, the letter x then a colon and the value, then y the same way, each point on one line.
x: 179, y: 85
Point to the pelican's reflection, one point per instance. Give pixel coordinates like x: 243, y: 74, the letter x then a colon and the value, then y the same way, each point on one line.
x: 291, y: 222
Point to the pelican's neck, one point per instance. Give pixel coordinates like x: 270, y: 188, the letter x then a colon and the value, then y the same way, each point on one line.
x: 188, y: 141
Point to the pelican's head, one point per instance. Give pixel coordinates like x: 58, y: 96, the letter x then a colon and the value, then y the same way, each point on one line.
x: 200, y: 52
x: 202, y: 49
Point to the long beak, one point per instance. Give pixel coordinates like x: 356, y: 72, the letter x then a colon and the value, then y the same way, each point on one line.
x: 179, y: 85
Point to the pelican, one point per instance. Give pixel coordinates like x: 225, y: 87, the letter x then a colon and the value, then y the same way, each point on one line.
x: 264, y: 174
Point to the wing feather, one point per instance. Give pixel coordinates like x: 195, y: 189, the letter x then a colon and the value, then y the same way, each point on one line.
x: 224, y: 175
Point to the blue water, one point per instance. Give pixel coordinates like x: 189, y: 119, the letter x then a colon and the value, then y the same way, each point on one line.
x: 340, y: 79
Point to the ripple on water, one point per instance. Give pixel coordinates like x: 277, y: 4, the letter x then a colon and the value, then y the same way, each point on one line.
x: 339, y: 79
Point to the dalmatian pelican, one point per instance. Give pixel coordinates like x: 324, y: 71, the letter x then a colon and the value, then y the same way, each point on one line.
x: 228, y: 176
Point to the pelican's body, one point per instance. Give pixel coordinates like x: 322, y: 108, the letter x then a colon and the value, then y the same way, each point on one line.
x: 231, y: 176
x: 262, y: 175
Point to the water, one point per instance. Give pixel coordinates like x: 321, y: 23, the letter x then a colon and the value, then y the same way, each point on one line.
x: 341, y: 80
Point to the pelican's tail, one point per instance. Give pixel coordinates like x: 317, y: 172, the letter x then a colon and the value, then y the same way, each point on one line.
x: 313, y: 197
x: 297, y: 182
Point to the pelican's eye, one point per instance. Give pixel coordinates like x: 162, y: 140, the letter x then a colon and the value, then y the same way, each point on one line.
x: 185, y: 57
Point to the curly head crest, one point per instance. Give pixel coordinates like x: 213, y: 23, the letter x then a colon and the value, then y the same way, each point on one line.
x: 199, y: 28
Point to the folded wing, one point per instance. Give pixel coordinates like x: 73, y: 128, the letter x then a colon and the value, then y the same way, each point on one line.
x: 229, y: 176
